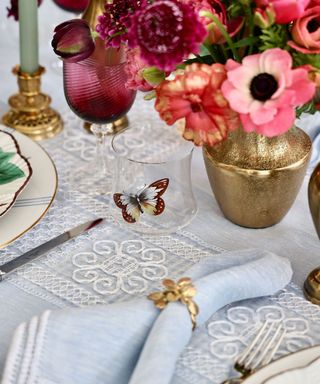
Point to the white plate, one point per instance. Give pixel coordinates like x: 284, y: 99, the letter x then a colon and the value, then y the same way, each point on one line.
x: 295, y: 360
x: 36, y: 198
x: 309, y: 374
x: 13, y: 162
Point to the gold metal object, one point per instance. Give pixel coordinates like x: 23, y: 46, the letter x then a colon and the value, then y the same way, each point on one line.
x: 91, y: 14
x: 314, y: 198
x: 30, y: 109
x: 311, y: 286
x: 256, y: 179
x: 182, y: 291
x: 117, y: 125
x: 93, y: 11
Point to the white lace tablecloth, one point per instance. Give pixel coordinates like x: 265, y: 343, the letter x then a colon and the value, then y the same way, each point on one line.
x: 110, y: 264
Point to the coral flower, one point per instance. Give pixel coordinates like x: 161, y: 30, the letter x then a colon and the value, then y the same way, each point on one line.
x: 285, y: 10
x: 196, y: 96
x: 166, y: 32
x: 306, y: 30
x: 265, y: 90
x: 217, y: 8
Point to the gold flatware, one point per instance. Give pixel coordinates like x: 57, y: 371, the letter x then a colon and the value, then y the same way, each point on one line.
x: 260, y: 352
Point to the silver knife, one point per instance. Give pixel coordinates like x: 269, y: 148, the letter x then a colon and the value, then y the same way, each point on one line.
x: 45, y: 247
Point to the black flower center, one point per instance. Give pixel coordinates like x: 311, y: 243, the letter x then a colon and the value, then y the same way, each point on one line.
x: 313, y: 25
x: 263, y: 86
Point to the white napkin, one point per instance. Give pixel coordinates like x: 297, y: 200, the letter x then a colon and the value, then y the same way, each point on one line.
x: 134, y: 342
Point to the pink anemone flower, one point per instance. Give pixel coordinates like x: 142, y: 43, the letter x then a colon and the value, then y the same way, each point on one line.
x: 196, y: 96
x: 265, y: 91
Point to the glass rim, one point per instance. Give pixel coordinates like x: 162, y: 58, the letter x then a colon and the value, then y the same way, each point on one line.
x: 180, y: 158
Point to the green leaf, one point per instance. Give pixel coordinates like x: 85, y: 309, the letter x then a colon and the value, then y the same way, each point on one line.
x: 306, y: 108
x: 223, y: 31
x: 8, y: 171
x: 276, y: 36
x: 204, y: 51
x: 246, y: 41
x: 5, y: 156
x: 302, y: 59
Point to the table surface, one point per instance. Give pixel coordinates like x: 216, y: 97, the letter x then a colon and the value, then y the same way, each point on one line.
x: 72, y: 275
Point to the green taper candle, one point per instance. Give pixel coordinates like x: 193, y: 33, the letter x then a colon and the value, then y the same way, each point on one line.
x: 28, y: 25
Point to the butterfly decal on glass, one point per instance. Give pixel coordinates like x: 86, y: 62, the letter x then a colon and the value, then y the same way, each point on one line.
x: 146, y: 200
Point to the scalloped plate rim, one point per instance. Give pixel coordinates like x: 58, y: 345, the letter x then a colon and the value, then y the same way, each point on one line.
x: 305, y: 367
x: 27, y: 178
x: 285, y: 363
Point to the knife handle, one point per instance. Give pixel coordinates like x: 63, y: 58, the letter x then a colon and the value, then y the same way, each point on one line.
x: 2, y: 275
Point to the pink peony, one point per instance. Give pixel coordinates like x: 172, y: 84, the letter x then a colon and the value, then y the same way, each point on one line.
x: 306, y: 30
x: 196, y: 96
x: 265, y: 90
x: 166, y: 32
x: 134, y: 70
x: 286, y: 10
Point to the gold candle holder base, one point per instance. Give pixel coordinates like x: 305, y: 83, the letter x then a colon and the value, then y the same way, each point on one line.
x: 311, y: 287
x: 117, y: 125
x: 30, y: 111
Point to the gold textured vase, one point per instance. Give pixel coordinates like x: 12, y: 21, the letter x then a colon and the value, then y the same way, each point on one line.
x: 256, y: 179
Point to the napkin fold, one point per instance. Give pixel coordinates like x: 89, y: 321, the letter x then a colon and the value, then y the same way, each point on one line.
x: 133, y: 342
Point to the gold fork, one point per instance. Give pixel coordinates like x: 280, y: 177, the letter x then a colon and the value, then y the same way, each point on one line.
x: 260, y: 352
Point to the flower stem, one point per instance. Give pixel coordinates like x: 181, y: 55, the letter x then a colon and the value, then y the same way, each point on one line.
x: 223, y: 32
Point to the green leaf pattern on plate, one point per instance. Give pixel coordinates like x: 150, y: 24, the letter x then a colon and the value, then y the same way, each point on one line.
x: 8, y: 171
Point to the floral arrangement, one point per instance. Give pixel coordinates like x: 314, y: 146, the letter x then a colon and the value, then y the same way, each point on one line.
x: 219, y: 65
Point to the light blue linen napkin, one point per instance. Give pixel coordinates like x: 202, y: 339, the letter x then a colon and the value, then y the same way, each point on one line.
x: 133, y: 342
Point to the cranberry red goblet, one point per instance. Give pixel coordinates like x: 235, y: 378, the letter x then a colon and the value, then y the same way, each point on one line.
x: 95, y: 91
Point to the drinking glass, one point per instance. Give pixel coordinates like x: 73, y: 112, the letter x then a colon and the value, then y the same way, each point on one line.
x: 151, y: 189
x: 95, y: 91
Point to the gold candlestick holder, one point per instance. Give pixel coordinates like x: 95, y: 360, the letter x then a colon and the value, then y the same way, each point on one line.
x: 30, y: 111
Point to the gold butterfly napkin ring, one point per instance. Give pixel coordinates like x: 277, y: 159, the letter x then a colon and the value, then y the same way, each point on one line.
x: 182, y: 291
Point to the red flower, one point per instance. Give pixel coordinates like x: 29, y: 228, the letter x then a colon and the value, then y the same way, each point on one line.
x: 196, y: 96
x: 166, y: 32
x: 72, y: 40
x: 113, y: 24
x: 14, y: 10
